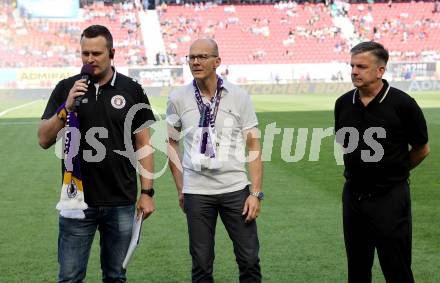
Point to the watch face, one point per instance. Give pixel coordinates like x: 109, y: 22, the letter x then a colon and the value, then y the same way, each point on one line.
x: 149, y: 192
x: 259, y: 195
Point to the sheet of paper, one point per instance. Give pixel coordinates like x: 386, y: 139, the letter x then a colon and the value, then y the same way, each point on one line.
x: 135, y: 237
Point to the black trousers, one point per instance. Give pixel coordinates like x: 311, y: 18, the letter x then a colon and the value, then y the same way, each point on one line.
x: 382, y: 222
x: 202, y: 212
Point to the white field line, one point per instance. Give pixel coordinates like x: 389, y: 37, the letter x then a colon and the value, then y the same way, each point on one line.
x: 18, y: 107
x: 18, y: 123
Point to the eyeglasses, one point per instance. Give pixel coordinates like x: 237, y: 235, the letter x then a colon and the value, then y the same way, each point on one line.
x: 199, y: 57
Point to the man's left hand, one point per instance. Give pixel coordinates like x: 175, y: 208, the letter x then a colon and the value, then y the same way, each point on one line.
x: 251, y: 208
x: 145, y: 205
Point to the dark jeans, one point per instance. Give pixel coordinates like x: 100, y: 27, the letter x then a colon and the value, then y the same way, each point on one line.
x: 382, y: 222
x: 76, y: 236
x: 202, y: 212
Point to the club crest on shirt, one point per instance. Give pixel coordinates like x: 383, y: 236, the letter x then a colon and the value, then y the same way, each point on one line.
x: 118, y: 101
x: 72, y: 190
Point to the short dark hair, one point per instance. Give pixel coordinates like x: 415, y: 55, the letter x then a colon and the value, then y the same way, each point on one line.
x: 98, y: 30
x: 375, y: 48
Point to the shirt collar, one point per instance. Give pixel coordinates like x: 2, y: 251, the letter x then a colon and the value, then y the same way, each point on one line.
x: 111, y: 82
x: 226, y: 87
x: 225, y: 90
x: 379, y: 98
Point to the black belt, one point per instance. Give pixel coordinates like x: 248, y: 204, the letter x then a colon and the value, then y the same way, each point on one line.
x: 367, y: 195
x: 360, y: 195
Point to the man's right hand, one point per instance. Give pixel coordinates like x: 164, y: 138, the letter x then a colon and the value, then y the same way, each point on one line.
x: 181, y: 201
x: 79, y: 88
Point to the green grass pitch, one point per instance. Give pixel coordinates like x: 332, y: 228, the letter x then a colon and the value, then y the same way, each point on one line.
x: 300, y: 226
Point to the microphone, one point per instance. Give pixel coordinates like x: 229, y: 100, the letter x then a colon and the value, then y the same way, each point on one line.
x: 86, y: 74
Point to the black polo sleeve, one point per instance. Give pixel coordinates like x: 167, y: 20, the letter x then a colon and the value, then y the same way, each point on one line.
x: 342, y: 102
x: 57, y: 98
x: 336, y: 115
x: 415, y: 124
x: 144, y: 117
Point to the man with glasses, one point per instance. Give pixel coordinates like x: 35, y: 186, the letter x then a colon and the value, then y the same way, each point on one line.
x: 218, y: 122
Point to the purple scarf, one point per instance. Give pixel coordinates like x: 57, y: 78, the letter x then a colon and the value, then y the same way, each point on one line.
x: 71, y: 203
x: 208, y: 114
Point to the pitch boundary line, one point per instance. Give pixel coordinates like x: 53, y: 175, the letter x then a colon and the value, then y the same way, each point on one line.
x: 18, y: 107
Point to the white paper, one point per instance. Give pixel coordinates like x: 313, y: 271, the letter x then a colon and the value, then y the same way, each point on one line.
x: 135, y: 237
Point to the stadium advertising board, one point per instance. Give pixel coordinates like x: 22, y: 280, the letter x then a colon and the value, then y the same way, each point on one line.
x: 412, y: 70
x: 8, y: 78
x: 298, y: 88
x: 42, y: 77
x: 48, y: 8
x: 159, y: 76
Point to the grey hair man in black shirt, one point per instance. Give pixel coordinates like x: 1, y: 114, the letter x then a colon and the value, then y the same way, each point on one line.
x: 384, y: 135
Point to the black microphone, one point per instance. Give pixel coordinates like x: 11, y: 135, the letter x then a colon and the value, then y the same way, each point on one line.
x: 86, y: 74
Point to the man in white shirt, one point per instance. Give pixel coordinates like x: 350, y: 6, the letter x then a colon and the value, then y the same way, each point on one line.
x: 218, y: 123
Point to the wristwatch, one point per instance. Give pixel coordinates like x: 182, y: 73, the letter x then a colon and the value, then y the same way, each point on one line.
x: 259, y: 195
x: 148, y: 192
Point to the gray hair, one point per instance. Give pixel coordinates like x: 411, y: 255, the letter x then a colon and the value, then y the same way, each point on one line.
x: 375, y: 48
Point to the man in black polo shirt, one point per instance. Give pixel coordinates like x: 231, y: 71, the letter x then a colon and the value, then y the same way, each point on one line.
x: 108, y: 178
x: 376, y: 124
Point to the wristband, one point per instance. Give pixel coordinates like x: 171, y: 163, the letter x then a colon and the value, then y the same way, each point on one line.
x: 148, y: 192
x: 62, y: 112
